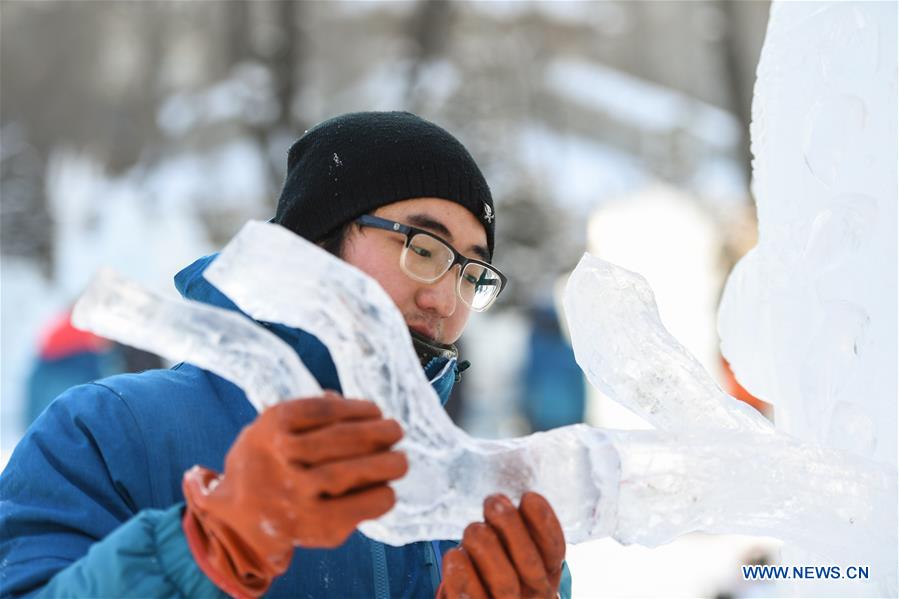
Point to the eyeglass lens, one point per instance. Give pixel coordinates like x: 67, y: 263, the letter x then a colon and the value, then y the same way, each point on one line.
x: 478, y: 286
x: 428, y: 259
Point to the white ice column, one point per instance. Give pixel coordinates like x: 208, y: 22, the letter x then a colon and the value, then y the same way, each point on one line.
x: 808, y: 318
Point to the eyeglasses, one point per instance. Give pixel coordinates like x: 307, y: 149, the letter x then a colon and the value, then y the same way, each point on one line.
x: 426, y: 258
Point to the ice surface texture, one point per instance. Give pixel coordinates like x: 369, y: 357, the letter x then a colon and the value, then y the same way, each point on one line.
x: 625, y: 351
x: 221, y: 341
x: 714, y: 464
x: 808, y: 317
x: 450, y: 473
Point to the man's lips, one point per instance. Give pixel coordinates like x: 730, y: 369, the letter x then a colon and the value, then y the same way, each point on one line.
x: 425, y: 331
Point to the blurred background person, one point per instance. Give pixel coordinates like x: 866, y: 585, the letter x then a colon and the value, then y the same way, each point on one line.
x: 67, y: 356
x: 553, y: 384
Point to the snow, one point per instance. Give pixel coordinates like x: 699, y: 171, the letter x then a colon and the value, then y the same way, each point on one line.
x: 365, y: 7
x: 492, y: 385
x: 579, y: 173
x: 246, y: 96
x: 640, y: 103
x: 229, y: 177
x: 114, y: 222
x: 438, y: 81
x: 145, y: 222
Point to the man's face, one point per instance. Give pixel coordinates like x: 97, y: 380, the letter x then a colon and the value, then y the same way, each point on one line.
x: 431, y: 309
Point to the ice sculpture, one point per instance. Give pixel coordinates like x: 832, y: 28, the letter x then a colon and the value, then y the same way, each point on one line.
x: 639, y: 486
x: 219, y: 340
x: 712, y: 465
x: 808, y: 317
x: 450, y: 473
x: 724, y: 469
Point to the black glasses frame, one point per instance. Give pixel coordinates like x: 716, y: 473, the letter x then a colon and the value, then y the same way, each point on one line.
x: 368, y: 220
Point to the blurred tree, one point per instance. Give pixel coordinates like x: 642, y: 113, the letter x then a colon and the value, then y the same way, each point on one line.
x: 742, y: 47
x: 25, y: 223
x: 104, y: 71
x: 429, y: 29
x: 89, y: 83
x: 539, y: 240
x: 270, y: 36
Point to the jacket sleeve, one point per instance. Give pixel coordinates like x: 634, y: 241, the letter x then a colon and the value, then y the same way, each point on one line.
x: 565, y: 583
x: 147, y: 556
x: 69, y: 517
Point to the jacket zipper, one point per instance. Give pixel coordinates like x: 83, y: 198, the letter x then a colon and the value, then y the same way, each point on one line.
x: 379, y: 569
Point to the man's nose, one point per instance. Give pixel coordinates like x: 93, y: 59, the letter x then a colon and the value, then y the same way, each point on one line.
x: 440, y: 296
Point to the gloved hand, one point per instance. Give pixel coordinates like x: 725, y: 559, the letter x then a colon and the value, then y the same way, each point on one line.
x: 306, y: 472
x: 514, y: 553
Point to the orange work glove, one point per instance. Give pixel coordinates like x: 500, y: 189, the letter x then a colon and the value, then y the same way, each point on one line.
x: 514, y: 553
x: 305, y: 473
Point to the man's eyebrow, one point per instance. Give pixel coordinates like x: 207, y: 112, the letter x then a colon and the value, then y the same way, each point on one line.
x: 435, y: 226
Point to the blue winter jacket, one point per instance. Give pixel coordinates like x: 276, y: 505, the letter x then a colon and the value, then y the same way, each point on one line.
x: 91, y: 501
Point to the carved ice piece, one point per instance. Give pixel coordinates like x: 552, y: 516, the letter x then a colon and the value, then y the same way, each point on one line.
x: 715, y: 465
x: 221, y: 341
x: 643, y: 487
x: 624, y: 349
x: 274, y: 275
x: 695, y: 474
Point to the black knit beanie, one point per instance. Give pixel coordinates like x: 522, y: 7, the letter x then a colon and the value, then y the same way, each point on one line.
x: 354, y: 163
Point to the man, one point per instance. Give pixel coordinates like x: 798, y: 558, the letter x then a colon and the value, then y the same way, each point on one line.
x: 116, y: 489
